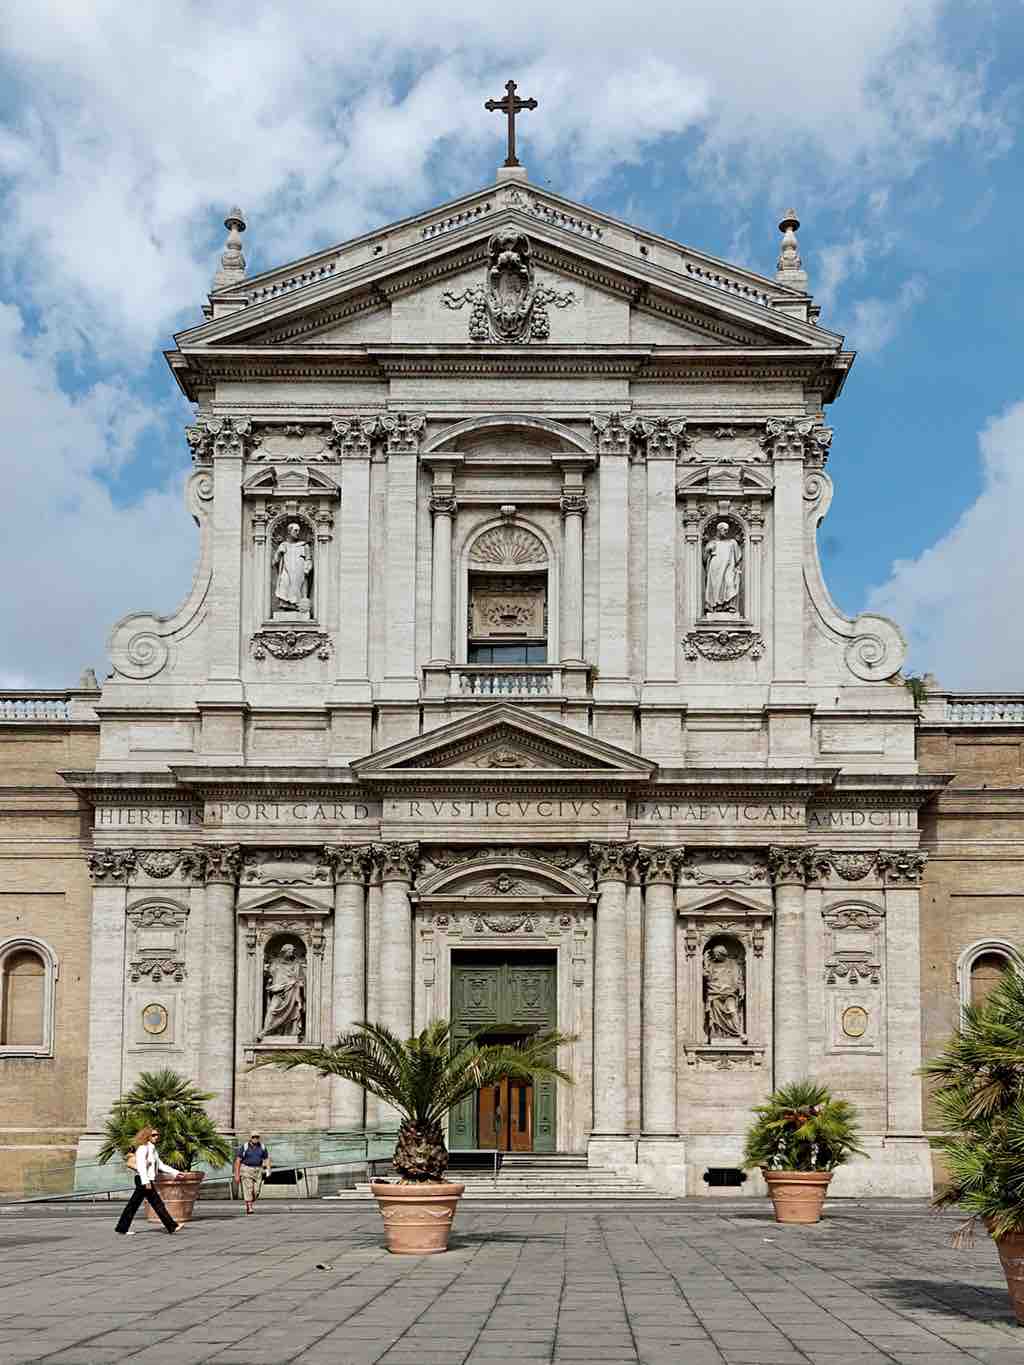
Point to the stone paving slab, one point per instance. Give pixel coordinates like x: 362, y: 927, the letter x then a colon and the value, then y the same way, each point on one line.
x: 672, y: 1283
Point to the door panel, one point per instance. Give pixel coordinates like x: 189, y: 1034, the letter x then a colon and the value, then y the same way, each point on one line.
x: 521, y: 994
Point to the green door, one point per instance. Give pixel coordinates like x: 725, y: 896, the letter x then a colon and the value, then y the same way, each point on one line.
x: 515, y: 994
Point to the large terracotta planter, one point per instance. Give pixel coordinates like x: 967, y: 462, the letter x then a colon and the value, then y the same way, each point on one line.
x: 419, y: 1217
x: 179, y: 1195
x: 1011, y: 1254
x: 798, y: 1196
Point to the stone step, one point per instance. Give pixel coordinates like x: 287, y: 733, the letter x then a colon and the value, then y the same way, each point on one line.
x: 554, y: 1195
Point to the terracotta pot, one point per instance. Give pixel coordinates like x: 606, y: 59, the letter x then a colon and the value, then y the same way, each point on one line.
x: 1011, y: 1253
x: 798, y: 1196
x: 417, y: 1218
x: 179, y: 1195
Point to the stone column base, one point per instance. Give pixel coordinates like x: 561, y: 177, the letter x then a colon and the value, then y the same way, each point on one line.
x: 612, y: 1153
x: 661, y: 1163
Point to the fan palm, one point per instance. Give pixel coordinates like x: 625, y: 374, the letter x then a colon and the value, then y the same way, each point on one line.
x: 802, y: 1127
x: 424, y: 1077
x: 171, y: 1104
x: 979, y: 1100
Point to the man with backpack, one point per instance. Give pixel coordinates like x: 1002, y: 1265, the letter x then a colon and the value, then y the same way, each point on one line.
x: 252, y: 1164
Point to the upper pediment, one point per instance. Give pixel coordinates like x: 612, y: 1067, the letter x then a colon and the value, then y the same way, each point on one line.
x: 504, y: 742
x: 510, y: 266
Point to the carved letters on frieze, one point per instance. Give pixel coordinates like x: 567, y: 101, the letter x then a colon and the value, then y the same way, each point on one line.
x: 510, y: 306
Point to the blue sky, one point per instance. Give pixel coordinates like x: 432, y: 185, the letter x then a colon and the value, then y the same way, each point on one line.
x: 893, y: 129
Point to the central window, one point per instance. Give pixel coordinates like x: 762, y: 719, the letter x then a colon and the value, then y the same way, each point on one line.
x: 508, y: 619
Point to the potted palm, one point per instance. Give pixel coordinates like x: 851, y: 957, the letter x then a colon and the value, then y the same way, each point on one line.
x: 171, y: 1104
x: 801, y: 1134
x: 979, y: 1101
x: 423, y: 1078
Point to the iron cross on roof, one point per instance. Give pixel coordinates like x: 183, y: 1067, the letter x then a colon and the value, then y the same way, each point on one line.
x: 510, y: 105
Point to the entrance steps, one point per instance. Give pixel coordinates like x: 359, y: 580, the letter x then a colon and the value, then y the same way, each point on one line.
x: 538, y: 1178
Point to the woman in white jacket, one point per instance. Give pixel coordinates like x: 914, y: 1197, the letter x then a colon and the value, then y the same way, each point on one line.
x: 147, y: 1163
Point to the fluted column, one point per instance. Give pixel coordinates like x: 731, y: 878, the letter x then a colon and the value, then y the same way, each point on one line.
x: 443, y: 508
x: 348, y: 983
x: 398, y: 864
x: 610, y: 863
x: 223, y: 862
x: 660, y: 867
x: 109, y: 870
x: 788, y: 869
x: 574, y: 508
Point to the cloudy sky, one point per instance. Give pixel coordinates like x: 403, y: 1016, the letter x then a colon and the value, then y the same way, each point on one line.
x: 893, y: 127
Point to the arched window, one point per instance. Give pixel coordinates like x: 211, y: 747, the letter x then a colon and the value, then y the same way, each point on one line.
x: 28, y: 971
x: 981, y: 967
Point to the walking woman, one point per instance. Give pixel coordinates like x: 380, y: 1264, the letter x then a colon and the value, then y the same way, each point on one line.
x: 147, y: 1163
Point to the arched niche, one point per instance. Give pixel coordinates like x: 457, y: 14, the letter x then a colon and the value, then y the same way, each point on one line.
x: 508, y: 589
x: 983, y: 951
x: 28, y: 977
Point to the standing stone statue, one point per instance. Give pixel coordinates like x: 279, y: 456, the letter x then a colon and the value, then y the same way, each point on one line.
x: 723, y: 556
x: 293, y: 560
x: 285, y: 1012
x: 724, y: 995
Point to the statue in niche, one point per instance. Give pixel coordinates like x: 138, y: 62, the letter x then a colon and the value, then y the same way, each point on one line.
x: 723, y: 573
x: 284, y: 1012
x: 293, y: 565
x: 724, y: 995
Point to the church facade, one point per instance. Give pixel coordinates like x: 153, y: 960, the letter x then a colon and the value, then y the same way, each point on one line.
x: 508, y: 690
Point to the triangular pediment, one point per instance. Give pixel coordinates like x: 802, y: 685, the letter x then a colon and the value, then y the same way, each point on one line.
x: 504, y: 742
x: 610, y: 283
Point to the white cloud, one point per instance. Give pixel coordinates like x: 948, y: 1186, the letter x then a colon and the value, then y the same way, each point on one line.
x: 960, y: 601
x: 74, y: 561
x: 129, y: 129
x: 875, y: 321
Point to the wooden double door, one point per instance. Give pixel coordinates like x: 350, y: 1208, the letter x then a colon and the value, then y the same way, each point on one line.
x: 510, y: 996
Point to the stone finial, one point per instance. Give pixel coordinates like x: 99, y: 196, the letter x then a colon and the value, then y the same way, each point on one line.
x: 87, y: 682
x: 790, y: 269
x: 232, y: 262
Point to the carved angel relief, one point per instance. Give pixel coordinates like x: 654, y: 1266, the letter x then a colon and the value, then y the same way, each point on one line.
x: 511, y: 306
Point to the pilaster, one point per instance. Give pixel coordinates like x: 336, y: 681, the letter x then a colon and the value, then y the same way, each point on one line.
x: 109, y: 870
x: 788, y: 869
x: 614, y: 438
x: 610, y: 863
x: 351, y: 437
x: 402, y: 433
x: 349, y: 866
x: 664, y: 437
x: 222, y: 866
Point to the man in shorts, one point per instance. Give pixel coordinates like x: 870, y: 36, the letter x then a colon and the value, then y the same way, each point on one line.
x: 252, y: 1163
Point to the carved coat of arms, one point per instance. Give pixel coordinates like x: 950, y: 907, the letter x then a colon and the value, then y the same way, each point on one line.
x: 511, y: 306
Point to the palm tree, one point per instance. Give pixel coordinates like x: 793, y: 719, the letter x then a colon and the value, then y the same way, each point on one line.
x: 801, y: 1127
x: 979, y: 1101
x: 171, y: 1104
x: 423, y: 1078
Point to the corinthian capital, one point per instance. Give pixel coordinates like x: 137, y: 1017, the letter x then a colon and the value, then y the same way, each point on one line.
x: 796, y: 438
x: 900, y: 865
x: 660, y: 866
x: 397, y: 862
x: 614, y: 433
x: 220, y: 437
x: 348, y: 862
x: 574, y: 504
x: 611, y: 862
x: 223, y: 862
x: 112, y: 864
x: 402, y: 432
x: 789, y: 864
x: 350, y: 437
x: 665, y: 436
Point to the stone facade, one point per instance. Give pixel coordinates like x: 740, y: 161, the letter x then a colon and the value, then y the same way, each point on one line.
x: 509, y: 644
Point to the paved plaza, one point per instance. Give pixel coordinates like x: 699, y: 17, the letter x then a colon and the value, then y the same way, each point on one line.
x: 682, y: 1283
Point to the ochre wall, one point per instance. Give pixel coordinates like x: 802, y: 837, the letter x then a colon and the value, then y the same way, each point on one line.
x: 973, y: 886
x: 45, y: 891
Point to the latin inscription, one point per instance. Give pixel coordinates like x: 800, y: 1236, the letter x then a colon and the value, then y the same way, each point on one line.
x: 718, y: 813
x: 861, y: 819
x: 491, y: 809
x: 148, y: 817
x: 289, y: 812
